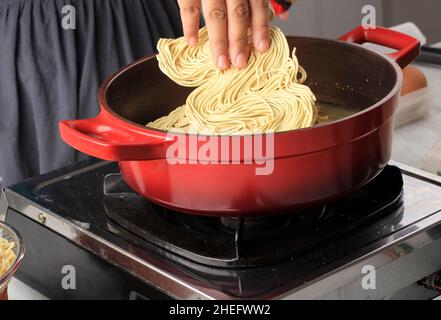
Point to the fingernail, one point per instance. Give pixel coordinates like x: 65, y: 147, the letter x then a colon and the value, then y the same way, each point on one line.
x: 222, y: 62
x: 263, y: 45
x: 240, y: 61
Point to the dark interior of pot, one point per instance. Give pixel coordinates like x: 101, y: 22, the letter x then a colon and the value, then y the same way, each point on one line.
x: 345, y: 79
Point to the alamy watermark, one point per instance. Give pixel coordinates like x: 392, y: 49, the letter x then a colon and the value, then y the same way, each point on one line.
x: 369, y: 280
x: 196, y: 148
x: 69, y: 19
x: 69, y: 278
x: 369, y: 20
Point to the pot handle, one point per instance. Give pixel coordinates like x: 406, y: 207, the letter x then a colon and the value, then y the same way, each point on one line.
x: 97, y: 138
x: 408, y: 48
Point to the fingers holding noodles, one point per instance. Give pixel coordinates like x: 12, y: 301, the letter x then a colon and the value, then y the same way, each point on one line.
x: 267, y: 95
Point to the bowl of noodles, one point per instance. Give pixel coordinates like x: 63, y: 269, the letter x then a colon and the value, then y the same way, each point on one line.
x: 11, y: 256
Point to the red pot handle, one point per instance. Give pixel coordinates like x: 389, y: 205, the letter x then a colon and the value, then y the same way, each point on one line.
x: 98, y: 138
x: 408, y: 48
x: 280, y: 6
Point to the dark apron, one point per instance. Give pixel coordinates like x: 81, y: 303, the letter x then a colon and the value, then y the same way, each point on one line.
x: 48, y: 73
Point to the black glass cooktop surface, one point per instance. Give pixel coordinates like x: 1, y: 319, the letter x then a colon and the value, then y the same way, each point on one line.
x: 252, y: 242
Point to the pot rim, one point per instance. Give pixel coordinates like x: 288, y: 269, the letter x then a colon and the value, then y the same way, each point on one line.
x: 102, y: 95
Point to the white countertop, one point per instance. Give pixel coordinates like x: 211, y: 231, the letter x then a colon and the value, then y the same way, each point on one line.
x: 17, y: 290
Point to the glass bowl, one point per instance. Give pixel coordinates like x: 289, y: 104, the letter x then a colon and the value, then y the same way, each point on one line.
x: 9, y: 233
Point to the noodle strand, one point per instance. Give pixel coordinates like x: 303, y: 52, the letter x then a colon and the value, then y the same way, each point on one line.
x: 267, y: 95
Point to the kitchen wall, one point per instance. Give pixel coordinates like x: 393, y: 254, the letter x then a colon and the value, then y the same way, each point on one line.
x: 425, y: 13
x: 326, y: 18
x: 331, y: 18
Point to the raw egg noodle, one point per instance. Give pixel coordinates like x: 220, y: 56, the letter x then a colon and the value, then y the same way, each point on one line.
x: 7, y: 255
x: 266, y: 96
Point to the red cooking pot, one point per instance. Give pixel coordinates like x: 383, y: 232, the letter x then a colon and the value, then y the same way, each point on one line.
x: 310, y: 165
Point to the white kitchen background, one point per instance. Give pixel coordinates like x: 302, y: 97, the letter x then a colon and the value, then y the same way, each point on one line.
x: 332, y: 18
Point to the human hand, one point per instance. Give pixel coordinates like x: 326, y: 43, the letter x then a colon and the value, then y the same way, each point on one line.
x: 227, y: 23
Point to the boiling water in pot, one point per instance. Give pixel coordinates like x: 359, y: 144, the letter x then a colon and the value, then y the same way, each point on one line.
x: 330, y: 112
